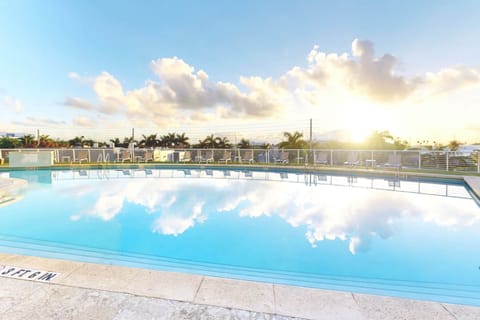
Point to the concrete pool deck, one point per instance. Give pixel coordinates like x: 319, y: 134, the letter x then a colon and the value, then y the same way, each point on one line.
x: 93, y: 291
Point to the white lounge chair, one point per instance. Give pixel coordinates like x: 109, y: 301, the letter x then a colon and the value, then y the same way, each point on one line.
x: 124, y: 155
x: 208, y: 156
x: 394, y: 161
x: 227, y: 156
x: 247, y: 156
x: 352, y: 159
x: 283, y: 158
x: 80, y: 156
x: 320, y: 158
x: 186, y: 157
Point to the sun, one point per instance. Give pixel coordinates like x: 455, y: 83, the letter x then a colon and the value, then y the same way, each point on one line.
x: 359, y: 134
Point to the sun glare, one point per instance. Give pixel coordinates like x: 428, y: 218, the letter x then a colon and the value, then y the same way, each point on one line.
x: 359, y: 134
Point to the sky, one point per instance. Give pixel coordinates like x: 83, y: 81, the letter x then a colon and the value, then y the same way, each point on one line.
x: 243, y: 68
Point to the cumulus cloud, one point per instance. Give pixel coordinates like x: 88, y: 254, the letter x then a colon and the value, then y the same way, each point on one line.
x: 451, y: 79
x: 110, y: 92
x: 362, y: 72
x: 328, y: 87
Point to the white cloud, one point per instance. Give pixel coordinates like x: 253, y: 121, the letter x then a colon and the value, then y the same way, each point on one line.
x: 110, y: 92
x: 342, y: 90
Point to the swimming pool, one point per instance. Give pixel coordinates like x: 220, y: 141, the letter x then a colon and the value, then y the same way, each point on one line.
x: 381, y: 235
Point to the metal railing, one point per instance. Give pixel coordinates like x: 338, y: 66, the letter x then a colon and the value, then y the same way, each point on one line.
x: 370, y: 159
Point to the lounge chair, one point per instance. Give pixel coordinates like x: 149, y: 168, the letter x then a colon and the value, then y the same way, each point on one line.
x: 80, y: 156
x: 198, y: 156
x: 227, y: 156
x: 208, y: 156
x: 124, y: 155
x: 283, y: 158
x: 394, y: 161
x: 247, y: 156
x: 320, y: 158
x: 186, y: 157
x: 148, y: 156
x: 352, y: 159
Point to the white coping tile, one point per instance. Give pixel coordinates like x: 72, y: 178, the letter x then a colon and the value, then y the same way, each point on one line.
x: 103, y: 277
x: 474, y: 183
x: 461, y: 312
x: 238, y: 294
x: 245, y: 295
x: 168, y: 285
x: 389, y: 308
x: 7, y: 258
x: 63, y: 267
x: 315, y: 303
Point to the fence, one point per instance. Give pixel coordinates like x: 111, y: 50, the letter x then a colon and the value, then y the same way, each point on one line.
x: 398, y: 159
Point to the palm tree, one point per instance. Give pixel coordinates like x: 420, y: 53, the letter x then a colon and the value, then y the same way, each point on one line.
x: 44, y: 141
x: 293, y: 141
x: 149, y: 141
x: 27, y: 141
x: 453, y: 145
x: 77, y: 141
x: 169, y: 140
x: 116, y: 142
x: 127, y: 141
x: 244, y: 144
x: 208, y: 142
x: 221, y: 143
x: 182, y: 140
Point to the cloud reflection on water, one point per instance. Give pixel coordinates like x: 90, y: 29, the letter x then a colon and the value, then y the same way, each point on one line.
x: 327, y: 212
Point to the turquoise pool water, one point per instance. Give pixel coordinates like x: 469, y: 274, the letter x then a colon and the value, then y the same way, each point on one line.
x: 399, y: 237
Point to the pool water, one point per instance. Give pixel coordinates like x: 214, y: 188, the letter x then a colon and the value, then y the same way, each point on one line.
x: 390, y: 236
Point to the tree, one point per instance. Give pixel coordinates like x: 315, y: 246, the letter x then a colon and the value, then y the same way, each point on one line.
x: 221, y: 143
x: 116, y: 142
x: 384, y: 140
x: 9, y: 143
x: 244, y: 144
x: 182, y: 140
x: 293, y: 141
x: 169, y: 140
x: 27, y: 141
x: 453, y: 145
x: 150, y: 141
x: 208, y: 142
x: 77, y: 141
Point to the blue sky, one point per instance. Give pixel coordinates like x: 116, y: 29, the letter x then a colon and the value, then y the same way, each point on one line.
x: 76, y: 64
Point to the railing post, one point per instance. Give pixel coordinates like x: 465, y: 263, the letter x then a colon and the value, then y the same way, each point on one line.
x: 446, y: 157
x: 478, y: 161
x: 419, y: 160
